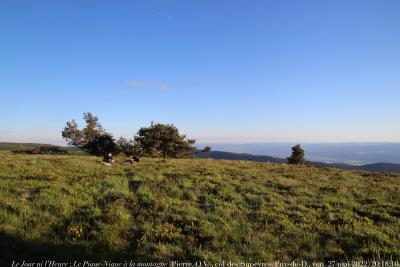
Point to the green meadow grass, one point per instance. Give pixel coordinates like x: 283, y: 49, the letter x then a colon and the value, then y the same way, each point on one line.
x: 69, y: 207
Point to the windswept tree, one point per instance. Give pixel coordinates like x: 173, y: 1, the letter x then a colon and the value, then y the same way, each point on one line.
x: 163, y: 140
x: 128, y: 147
x: 297, y: 156
x: 101, y: 145
x: 92, y: 139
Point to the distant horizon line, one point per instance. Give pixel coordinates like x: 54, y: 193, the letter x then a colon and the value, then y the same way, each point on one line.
x: 234, y: 143
x: 304, y: 142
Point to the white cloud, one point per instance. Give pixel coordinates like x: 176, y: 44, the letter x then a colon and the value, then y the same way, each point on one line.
x: 147, y: 85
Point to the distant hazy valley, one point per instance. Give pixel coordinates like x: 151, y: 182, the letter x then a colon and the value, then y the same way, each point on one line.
x: 348, y: 153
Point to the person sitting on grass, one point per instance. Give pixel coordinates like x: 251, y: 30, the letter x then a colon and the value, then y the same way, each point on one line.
x: 108, y: 158
x: 133, y: 160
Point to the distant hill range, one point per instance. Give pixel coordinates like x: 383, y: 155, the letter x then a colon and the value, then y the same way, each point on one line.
x: 238, y: 156
x: 15, y: 146
x: 375, y: 167
x: 5, y: 146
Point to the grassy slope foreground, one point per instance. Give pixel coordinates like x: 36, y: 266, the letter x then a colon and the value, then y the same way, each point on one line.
x: 66, y: 207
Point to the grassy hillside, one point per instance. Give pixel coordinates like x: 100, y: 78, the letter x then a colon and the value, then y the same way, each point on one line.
x: 70, y: 207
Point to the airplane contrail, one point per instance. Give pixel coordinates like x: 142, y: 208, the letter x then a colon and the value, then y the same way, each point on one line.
x: 164, y: 15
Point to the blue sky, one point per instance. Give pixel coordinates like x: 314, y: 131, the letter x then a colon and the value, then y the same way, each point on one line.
x: 221, y: 71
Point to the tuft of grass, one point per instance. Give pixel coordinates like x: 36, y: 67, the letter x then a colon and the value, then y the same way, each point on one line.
x: 68, y: 207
